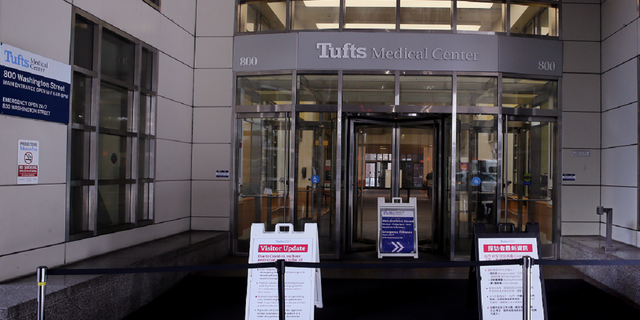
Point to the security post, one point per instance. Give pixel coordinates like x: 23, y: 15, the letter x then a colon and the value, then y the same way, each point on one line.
x: 609, y: 244
x: 41, y: 273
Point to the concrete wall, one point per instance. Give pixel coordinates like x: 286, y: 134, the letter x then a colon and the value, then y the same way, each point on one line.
x: 600, y: 114
x: 620, y: 117
x: 212, y: 116
x: 33, y: 218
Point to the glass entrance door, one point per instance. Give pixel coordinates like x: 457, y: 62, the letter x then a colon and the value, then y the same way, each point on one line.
x: 390, y: 159
x: 529, y: 178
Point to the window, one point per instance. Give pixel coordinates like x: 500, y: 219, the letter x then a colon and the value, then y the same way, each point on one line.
x: 154, y: 3
x: 262, y: 15
x: 263, y: 90
x: 529, y: 93
x: 112, y: 131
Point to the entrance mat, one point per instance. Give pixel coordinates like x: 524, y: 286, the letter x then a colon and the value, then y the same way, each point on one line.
x: 372, y: 299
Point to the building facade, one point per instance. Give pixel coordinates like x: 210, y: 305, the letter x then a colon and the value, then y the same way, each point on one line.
x: 215, y: 114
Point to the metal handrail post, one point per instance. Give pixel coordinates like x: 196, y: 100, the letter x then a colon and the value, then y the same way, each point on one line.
x: 41, y: 273
x: 526, y: 287
x: 281, y: 299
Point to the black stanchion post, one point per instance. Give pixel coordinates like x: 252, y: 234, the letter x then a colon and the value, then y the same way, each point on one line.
x: 41, y: 273
x: 526, y: 287
x: 282, y: 303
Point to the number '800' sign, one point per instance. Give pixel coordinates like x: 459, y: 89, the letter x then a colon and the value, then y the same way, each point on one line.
x: 248, y: 61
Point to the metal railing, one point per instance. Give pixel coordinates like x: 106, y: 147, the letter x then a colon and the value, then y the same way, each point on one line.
x: 526, y: 262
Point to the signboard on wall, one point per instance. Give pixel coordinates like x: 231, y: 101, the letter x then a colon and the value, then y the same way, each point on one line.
x: 33, y: 86
x: 397, y: 51
x: 28, y: 161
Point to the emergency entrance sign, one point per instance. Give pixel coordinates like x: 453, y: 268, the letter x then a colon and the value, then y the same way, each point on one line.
x: 302, y: 285
x: 28, y: 159
x: 397, y: 228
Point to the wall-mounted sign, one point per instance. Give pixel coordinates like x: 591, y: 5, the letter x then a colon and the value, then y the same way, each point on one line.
x: 397, y: 51
x: 28, y: 161
x: 222, y: 173
x: 568, y: 177
x: 34, y: 86
x: 581, y: 153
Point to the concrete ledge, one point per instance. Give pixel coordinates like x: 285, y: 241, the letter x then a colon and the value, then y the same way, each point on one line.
x: 624, y: 280
x: 113, y: 296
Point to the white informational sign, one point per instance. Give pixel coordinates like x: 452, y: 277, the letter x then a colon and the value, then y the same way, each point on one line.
x: 302, y: 285
x: 501, y: 286
x: 397, y: 228
x: 28, y: 158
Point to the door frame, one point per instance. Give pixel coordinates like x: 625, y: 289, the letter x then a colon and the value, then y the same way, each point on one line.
x: 352, y: 171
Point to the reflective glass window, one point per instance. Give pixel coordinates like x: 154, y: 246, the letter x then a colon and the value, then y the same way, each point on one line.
x: 118, y: 57
x: 529, y: 93
x: 477, y: 91
x: 315, y: 14
x: 425, y: 14
x: 368, y: 89
x: 367, y: 14
x: 534, y: 18
x: 317, y: 89
x: 112, y: 157
x: 255, y: 16
x: 114, y: 107
x: 83, y: 43
x: 263, y: 90
x: 81, y: 102
x: 480, y: 16
x: 426, y: 90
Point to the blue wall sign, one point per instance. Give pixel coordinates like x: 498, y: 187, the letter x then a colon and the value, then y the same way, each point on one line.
x: 34, y: 86
x: 476, y: 181
x: 315, y: 178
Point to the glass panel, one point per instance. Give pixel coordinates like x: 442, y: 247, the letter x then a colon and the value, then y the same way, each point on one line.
x: 426, y: 90
x: 373, y: 176
x: 528, y: 162
x: 366, y: 14
x: 144, y: 158
x: 368, y: 89
x: 480, y: 16
x: 316, y: 186
x: 535, y: 18
x: 529, y: 93
x: 79, y: 155
x: 145, y: 201
x: 146, y: 71
x: 263, y: 166
x: 146, y: 118
x: 79, y: 210
x: 83, y: 32
x: 81, y: 100
x: 315, y: 14
x: 261, y: 90
x: 112, y: 157
x: 114, y: 103
x: 112, y: 205
x: 477, y: 91
x: 262, y: 16
x: 425, y: 15
x: 317, y: 89
x: 416, y: 177
x: 476, y: 177
x: 117, y: 57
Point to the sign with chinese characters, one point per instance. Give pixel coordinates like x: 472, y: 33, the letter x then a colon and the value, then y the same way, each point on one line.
x: 302, y: 285
x: 397, y: 228
x: 501, y: 286
x: 34, y: 86
x: 28, y: 160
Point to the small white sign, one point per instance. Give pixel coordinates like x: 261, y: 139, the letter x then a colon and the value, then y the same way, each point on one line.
x: 28, y: 160
x: 501, y: 286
